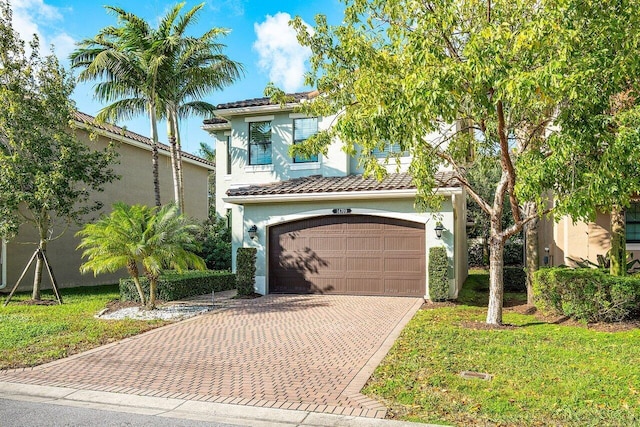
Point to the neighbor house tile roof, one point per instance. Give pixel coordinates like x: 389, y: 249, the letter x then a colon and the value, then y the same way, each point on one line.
x: 215, y: 121
x: 91, y: 121
x: 259, y: 102
x: 322, y: 184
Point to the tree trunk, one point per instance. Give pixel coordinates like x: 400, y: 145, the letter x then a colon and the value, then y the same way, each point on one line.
x: 618, y: 254
x: 135, y: 276
x: 496, y: 283
x: 37, y: 276
x: 174, y: 161
x: 179, y: 163
x: 154, y: 153
x: 532, y: 259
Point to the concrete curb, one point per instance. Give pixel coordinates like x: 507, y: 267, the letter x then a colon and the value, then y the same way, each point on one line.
x: 185, y: 409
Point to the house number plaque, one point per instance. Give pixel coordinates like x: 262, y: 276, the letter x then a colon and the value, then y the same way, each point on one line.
x: 341, y: 210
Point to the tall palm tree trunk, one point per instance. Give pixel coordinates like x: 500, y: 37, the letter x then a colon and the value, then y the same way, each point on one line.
x: 171, y: 129
x: 179, y: 162
x: 154, y: 153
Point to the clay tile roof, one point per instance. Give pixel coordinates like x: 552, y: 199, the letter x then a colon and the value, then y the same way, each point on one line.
x: 259, y: 102
x: 215, y: 121
x: 91, y: 121
x: 320, y: 184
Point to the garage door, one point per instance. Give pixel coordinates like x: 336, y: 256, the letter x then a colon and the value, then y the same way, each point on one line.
x: 347, y: 254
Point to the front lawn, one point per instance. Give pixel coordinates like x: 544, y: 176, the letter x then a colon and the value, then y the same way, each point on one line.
x: 543, y: 374
x: 34, y: 334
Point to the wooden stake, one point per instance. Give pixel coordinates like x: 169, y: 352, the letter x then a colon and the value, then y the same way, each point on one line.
x: 21, y: 277
x: 54, y: 285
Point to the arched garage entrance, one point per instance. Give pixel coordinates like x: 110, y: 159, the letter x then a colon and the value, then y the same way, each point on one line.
x: 348, y: 254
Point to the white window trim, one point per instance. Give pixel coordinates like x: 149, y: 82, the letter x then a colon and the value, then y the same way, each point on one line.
x: 302, y: 116
x: 259, y: 168
x: 258, y: 119
x: 304, y: 166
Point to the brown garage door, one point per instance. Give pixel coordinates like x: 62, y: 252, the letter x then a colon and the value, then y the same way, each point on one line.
x: 347, y: 254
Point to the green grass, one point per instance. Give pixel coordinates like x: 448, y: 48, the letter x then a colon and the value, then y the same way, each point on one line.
x: 543, y: 374
x: 35, y: 334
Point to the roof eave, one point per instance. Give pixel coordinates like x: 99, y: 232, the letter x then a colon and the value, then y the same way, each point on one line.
x: 256, y: 109
x: 338, y: 195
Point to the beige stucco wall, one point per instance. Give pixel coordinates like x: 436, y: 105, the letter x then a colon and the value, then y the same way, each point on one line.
x: 135, y: 186
x: 568, y: 240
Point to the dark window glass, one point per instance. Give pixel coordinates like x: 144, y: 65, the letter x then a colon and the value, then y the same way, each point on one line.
x: 260, y: 143
x: 633, y: 223
x: 303, y: 129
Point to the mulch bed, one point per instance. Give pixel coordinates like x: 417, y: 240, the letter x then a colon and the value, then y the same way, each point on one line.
x: 36, y: 302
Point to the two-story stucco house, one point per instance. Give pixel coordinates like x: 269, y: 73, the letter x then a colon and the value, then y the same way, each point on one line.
x: 135, y: 186
x: 317, y: 225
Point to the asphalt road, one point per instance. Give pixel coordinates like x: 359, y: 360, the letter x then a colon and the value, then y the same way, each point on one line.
x: 17, y: 413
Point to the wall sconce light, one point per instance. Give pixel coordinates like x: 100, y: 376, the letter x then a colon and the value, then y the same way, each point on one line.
x: 439, y: 229
x: 253, y: 231
x: 545, y: 259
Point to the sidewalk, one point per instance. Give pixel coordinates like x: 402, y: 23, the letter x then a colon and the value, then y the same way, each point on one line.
x: 185, y: 409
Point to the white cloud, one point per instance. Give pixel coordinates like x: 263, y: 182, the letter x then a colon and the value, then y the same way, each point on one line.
x: 35, y: 17
x: 279, y: 52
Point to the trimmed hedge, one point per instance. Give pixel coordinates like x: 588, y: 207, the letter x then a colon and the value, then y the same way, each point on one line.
x: 246, y: 270
x: 174, y: 286
x: 438, y: 274
x: 587, y: 294
x: 514, y: 279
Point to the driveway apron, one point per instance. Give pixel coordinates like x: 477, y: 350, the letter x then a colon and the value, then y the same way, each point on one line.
x: 304, y: 352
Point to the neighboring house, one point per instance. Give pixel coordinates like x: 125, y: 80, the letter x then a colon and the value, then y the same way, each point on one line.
x: 317, y: 225
x: 135, y: 186
x: 566, y: 240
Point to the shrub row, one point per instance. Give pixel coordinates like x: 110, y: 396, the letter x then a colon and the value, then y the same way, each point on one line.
x: 438, y: 274
x: 513, y: 254
x: 514, y: 279
x: 246, y: 270
x: 174, y: 286
x: 587, y: 294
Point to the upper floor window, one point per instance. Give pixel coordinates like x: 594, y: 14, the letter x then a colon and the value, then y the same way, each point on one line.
x: 303, y: 129
x: 633, y: 223
x: 260, y: 143
x: 394, y: 149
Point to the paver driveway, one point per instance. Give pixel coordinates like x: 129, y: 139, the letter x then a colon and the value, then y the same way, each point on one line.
x: 310, y: 353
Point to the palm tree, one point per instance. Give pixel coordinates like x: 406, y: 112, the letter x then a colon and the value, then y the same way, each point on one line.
x: 132, y: 235
x: 160, y: 71
x: 170, y: 242
x: 196, y: 67
x: 127, y: 58
x: 116, y: 242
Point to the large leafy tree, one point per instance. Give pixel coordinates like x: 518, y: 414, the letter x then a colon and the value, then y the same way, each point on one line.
x: 160, y: 71
x: 47, y: 176
x: 133, y: 236
x: 453, y: 82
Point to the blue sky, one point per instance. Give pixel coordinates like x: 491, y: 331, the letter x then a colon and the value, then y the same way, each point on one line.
x: 260, y: 39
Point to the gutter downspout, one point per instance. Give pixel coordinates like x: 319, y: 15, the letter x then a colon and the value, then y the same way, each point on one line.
x: 3, y: 262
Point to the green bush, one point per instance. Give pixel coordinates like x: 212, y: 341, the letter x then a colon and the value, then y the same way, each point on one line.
x: 475, y: 255
x: 514, y: 279
x: 587, y: 294
x: 215, y: 238
x: 246, y: 270
x: 513, y: 252
x: 438, y: 274
x: 174, y: 286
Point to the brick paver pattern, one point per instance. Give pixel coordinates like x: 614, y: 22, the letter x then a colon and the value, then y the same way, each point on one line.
x: 282, y: 351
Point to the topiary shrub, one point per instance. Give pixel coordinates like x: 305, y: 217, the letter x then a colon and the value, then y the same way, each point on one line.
x: 514, y: 279
x: 174, y: 286
x: 588, y: 295
x: 438, y: 274
x: 246, y: 270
